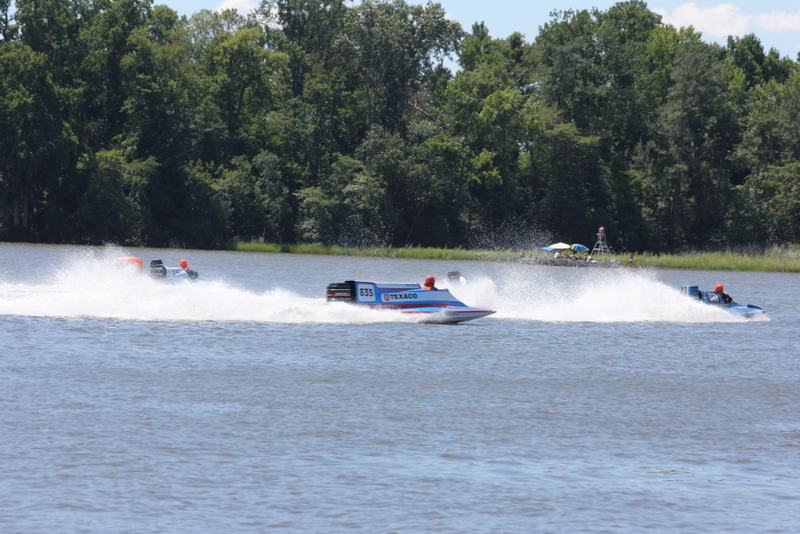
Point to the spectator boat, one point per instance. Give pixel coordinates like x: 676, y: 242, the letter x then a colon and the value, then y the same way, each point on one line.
x: 434, y: 305
x: 714, y: 299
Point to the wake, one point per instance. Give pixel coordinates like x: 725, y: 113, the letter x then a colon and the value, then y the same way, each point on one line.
x: 94, y: 287
x: 594, y: 296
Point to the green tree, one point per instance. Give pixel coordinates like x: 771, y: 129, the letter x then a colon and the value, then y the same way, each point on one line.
x: 243, y: 80
x: 622, y: 36
x: 693, y: 136
x: 748, y: 55
x: 569, y: 74
x: 308, y: 30
x: 660, y: 50
x: 396, y: 45
x: 107, y: 212
x: 318, y: 213
x: 758, y: 67
x: 36, y: 141
x: 559, y: 168
x: 257, y: 198
x: 203, y: 26
x: 766, y: 208
x: 8, y: 29
x: 107, y: 38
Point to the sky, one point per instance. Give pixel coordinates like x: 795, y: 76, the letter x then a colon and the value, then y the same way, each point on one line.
x: 775, y: 22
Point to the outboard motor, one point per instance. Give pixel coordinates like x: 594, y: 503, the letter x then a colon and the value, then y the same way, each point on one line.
x: 341, y: 292
x: 691, y: 291
x: 157, y: 269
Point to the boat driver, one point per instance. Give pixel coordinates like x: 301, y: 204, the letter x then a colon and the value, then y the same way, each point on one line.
x: 430, y: 282
x: 720, y: 290
x: 191, y: 272
x: 456, y: 277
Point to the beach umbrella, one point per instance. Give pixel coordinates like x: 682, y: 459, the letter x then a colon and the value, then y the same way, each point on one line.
x: 559, y: 246
x: 549, y: 249
x: 579, y: 248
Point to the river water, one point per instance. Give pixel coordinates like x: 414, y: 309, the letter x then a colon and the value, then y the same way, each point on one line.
x: 594, y: 400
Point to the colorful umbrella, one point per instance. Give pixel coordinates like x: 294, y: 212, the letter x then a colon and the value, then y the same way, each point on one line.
x: 579, y: 248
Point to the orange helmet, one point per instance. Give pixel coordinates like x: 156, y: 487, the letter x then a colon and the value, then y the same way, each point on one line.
x: 718, y: 288
x: 429, y: 281
x: 184, y: 264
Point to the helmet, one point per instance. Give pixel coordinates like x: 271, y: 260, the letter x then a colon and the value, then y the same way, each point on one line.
x: 718, y: 288
x: 183, y: 263
x: 430, y: 280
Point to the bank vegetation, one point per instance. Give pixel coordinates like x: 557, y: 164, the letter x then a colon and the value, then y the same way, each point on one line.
x: 385, y: 124
x: 776, y: 259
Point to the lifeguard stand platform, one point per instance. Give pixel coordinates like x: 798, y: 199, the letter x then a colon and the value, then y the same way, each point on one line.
x: 601, y: 247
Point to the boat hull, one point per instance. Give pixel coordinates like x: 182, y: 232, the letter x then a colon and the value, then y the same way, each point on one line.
x: 447, y: 315
x: 748, y: 311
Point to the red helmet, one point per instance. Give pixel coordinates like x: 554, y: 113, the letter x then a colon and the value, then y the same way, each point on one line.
x: 430, y: 280
x: 718, y: 288
x: 184, y: 264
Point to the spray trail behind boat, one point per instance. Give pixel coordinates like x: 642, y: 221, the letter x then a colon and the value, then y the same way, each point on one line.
x: 581, y: 295
x: 89, y: 285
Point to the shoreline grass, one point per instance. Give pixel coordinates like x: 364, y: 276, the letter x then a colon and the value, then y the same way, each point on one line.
x: 427, y: 253
x: 719, y: 261
x: 774, y: 259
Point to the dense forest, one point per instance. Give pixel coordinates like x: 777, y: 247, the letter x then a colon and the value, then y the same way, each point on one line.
x: 385, y: 123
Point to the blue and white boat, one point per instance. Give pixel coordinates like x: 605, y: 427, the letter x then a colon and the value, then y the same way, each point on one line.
x: 433, y: 305
x: 714, y: 299
x: 159, y: 271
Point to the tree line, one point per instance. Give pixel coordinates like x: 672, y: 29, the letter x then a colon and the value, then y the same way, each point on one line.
x: 313, y: 121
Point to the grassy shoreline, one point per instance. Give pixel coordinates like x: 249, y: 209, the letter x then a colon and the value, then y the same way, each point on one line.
x: 721, y: 261
x: 381, y: 252
x: 775, y: 259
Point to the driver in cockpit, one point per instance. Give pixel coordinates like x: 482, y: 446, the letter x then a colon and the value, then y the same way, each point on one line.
x: 191, y: 272
x: 720, y: 290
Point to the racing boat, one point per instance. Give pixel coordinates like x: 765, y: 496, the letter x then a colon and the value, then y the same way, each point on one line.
x: 173, y: 274
x: 159, y: 271
x: 714, y: 299
x: 434, y: 305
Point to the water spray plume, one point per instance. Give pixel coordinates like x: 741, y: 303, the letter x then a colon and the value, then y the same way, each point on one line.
x: 90, y: 286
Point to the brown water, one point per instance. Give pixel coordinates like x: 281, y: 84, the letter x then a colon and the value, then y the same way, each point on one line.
x: 592, y: 401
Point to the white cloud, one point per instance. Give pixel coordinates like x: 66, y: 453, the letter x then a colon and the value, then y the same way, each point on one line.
x: 778, y: 21
x: 244, y: 7
x: 775, y: 29
x: 727, y: 19
x: 716, y: 21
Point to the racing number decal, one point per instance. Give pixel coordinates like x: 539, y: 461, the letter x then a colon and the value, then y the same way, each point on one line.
x: 366, y: 293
